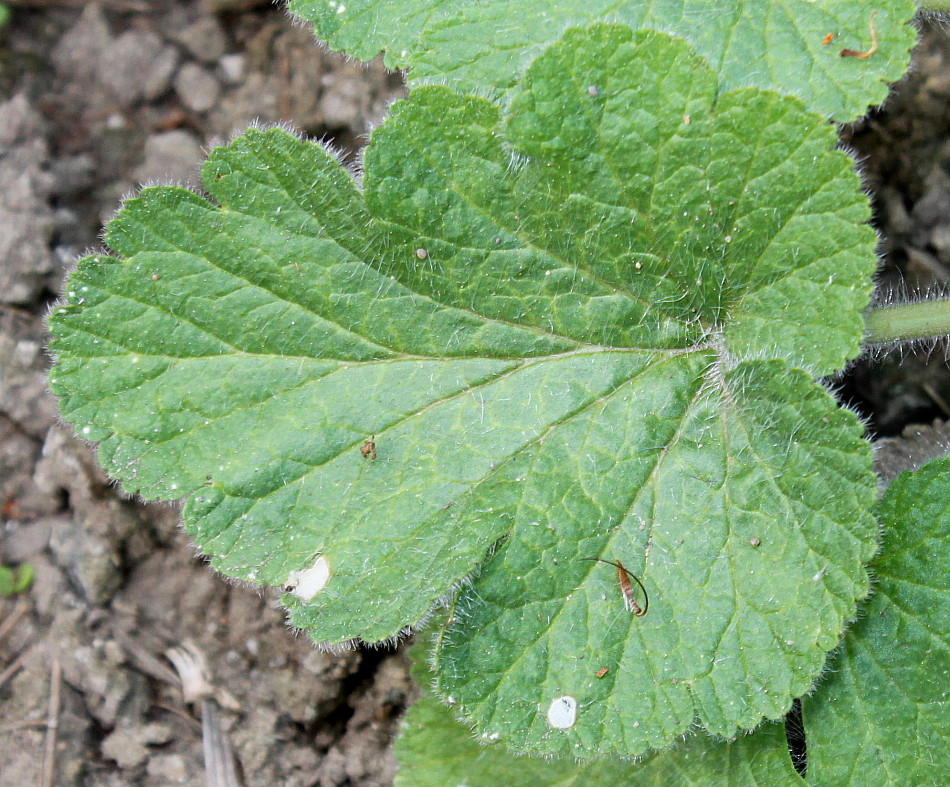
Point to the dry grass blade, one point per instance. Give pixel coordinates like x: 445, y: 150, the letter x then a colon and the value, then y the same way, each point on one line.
x: 52, y: 724
x: 196, y: 687
x: 14, y: 617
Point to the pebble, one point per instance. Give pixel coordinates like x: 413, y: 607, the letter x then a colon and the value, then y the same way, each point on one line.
x: 26, y: 221
x: 168, y: 769
x: 170, y: 156
x: 197, y: 88
x: 137, y: 66
x: 232, y: 68
x: 940, y: 240
x: 204, y: 40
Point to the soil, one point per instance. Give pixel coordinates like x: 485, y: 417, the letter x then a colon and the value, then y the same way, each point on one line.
x: 96, y: 98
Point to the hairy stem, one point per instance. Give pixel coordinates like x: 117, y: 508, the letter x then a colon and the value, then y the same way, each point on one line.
x: 907, y: 321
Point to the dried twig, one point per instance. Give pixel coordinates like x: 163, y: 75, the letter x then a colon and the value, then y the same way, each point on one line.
x: 10, y: 670
x: 143, y: 660
x: 52, y: 723
x: 14, y: 617
x: 186, y: 717
x: 14, y: 726
x: 17, y: 312
x: 938, y: 400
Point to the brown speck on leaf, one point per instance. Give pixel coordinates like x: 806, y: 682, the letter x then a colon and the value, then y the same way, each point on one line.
x: 368, y: 449
x: 601, y: 672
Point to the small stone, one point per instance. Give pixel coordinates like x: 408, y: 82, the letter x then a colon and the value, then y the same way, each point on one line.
x: 160, y: 74
x: 91, y: 562
x: 76, y: 53
x: 938, y: 84
x: 897, y: 216
x: 197, y: 88
x: 232, y: 68
x: 940, y: 240
x: 934, y: 206
x: 27, y: 541
x: 26, y: 221
x: 125, y: 748
x: 167, y: 769
x: 137, y: 66
x: 170, y: 156
x: 72, y: 174
x: 344, y: 100
x: 156, y: 734
x: 204, y: 40
x: 23, y: 396
x: 255, y: 96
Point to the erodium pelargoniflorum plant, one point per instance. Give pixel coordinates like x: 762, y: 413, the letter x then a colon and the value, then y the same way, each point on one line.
x: 580, y: 319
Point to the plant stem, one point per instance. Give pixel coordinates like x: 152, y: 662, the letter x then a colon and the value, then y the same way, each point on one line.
x: 907, y: 321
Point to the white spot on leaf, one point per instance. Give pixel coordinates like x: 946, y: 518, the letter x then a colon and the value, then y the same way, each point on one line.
x: 562, y: 712
x: 306, y: 583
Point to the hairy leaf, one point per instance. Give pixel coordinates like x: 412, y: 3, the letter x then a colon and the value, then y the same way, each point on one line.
x: 584, y: 328
x: 434, y: 750
x: 882, y: 716
x: 792, y: 46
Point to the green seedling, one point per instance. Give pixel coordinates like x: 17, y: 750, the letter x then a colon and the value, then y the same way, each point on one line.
x: 15, y: 580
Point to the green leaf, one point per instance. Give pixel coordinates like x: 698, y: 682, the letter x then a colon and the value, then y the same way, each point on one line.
x: 882, y: 716
x: 15, y: 580
x: 434, y: 750
x: 584, y: 328
x: 772, y: 44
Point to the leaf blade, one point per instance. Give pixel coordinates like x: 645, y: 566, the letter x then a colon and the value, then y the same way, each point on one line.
x: 771, y: 44
x: 479, y: 315
x: 881, y: 716
x: 743, y: 604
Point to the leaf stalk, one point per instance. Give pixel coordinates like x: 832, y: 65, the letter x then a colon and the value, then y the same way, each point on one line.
x: 907, y: 321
